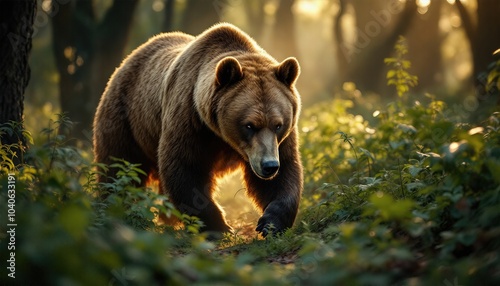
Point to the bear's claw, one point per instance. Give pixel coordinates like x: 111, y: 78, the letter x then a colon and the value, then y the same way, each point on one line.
x: 267, y: 225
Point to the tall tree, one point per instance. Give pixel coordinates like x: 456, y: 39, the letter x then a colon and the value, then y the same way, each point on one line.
x: 284, y: 44
x: 16, y: 30
x: 168, y: 19
x: 426, y: 36
x: 200, y: 15
x: 378, y: 29
x: 484, y: 38
x: 254, y: 11
x: 87, y: 50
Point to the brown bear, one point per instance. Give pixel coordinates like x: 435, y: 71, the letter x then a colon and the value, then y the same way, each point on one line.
x: 191, y: 109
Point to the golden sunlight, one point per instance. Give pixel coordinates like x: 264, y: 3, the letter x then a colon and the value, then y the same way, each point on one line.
x: 158, y: 6
x: 423, y: 3
x: 309, y: 8
x: 454, y: 147
x: 423, y: 6
x: 46, y: 5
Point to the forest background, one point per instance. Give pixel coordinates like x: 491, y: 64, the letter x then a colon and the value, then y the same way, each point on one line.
x: 78, y: 44
x: 399, y: 140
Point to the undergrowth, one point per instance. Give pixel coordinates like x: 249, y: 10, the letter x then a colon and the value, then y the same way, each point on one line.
x: 411, y: 197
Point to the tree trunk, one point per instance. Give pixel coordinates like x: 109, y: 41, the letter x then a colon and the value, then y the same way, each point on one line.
x: 200, y: 15
x: 86, y: 53
x: 284, y: 44
x: 255, y: 13
x: 484, y: 39
x: 424, y: 42
x: 168, y: 19
x: 338, y: 35
x: 365, y: 59
x: 16, y: 30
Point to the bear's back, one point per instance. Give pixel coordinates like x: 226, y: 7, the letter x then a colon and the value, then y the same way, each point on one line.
x: 228, y: 37
x: 137, y: 85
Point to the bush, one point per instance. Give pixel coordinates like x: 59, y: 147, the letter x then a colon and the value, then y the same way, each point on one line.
x: 411, y: 198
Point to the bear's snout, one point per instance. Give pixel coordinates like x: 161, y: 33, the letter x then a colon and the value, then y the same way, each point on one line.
x: 269, y: 168
x: 266, y: 168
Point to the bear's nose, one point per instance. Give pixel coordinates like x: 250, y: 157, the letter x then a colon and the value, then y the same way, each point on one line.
x: 269, y: 168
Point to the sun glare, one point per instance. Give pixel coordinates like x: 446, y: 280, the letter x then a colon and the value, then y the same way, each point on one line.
x: 310, y: 8
x: 46, y: 5
x: 423, y: 6
x: 423, y: 3
x: 454, y: 147
x: 158, y: 6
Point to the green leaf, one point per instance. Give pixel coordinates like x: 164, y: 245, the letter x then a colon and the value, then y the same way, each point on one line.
x: 467, y: 238
x: 406, y: 128
x: 390, y: 60
x: 366, y: 153
x: 391, y: 74
x: 406, y: 64
x: 389, y: 209
x: 414, y: 171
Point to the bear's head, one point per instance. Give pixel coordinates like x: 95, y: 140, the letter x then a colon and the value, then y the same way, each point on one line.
x: 254, y: 108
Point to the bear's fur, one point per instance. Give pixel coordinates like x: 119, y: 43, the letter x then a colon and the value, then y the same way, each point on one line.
x: 191, y: 109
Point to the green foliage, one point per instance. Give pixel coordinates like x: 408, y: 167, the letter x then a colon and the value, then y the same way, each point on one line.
x: 424, y: 203
x: 493, y: 77
x: 398, y: 74
x: 410, y: 198
x: 8, y: 152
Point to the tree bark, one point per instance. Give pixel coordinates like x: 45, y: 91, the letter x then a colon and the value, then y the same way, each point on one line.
x: 284, y: 44
x: 338, y: 35
x: 426, y: 62
x: 16, y: 31
x: 86, y: 53
x: 365, y: 60
x: 200, y: 15
x: 484, y: 39
x: 168, y: 19
x: 255, y: 13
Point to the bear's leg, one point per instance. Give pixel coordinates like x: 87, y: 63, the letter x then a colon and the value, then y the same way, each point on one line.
x: 279, y: 197
x: 190, y: 188
x: 113, y: 138
x: 192, y: 194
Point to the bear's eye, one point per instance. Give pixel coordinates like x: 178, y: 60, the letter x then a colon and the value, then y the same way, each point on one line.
x: 278, y: 127
x: 252, y: 128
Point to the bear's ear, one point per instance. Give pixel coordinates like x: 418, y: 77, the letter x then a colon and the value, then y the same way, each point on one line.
x: 288, y: 71
x: 228, y: 71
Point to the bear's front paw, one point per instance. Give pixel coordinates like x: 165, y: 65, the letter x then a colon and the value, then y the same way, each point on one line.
x: 269, y: 224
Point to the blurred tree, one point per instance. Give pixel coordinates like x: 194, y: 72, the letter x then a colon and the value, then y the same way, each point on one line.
x: 200, y: 15
x: 424, y: 42
x: 168, y: 20
x: 338, y: 34
x: 255, y: 13
x: 87, y: 49
x: 16, y: 31
x: 484, y: 38
x: 376, y: 32
x: 283, y: 44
